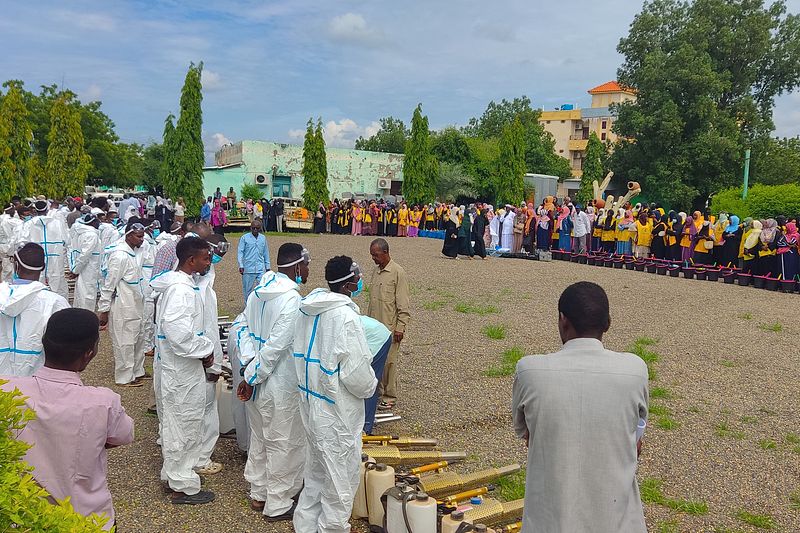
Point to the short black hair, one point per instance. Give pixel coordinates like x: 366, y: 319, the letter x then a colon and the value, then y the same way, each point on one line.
x: 69, y: 334
x: 189, y: 247
x: 585, y: 305
x: 336, y: 268
x: 384, y: 246
x: 32, y: 254
x: 289, y: 251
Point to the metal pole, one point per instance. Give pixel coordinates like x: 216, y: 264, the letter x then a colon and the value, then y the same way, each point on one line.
x: 746, y: 173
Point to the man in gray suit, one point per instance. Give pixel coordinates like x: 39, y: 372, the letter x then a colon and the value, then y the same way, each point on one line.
x: 578, y: 411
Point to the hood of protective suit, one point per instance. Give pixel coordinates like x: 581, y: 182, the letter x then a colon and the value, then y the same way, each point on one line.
x: 79, y: 229
x: 163, y: 281
x: 14, y: 299
x: 320, y: 300
x: 272, y: 285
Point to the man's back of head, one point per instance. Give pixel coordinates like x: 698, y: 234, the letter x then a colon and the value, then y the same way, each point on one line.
x: 583, y: 312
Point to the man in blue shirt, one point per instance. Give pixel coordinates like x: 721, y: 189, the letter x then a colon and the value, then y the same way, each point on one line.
x: 253, y: 257
x: 205, y: 211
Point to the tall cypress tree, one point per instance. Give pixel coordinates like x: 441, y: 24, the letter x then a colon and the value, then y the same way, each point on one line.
x: 17, y: 131
x: 510, y: 186
x: 67, y: 162
x: 187, y: 149
x: 315, y: 167
x: 168, y: 162
x: 420, y: 167
x: 8, y: 183
x: 592, y: 168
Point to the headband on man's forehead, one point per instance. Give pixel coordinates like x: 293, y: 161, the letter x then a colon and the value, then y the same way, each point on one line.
x: 304, y: 257
x: 355, y: 270
x: 21, y: 262
x: 136, y: 226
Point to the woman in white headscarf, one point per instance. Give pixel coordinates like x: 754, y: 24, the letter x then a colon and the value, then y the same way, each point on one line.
x: 507, y: 236
x: 450, y: 246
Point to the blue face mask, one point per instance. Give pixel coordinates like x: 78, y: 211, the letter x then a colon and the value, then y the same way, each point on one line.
x: 215, y: 259
x: 298, y: 279
x: 156, y: 233
x: 359, y: 288
x: 28, y: 217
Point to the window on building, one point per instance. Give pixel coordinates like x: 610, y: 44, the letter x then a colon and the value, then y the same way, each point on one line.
x: 561, y: 151
x: 547, y: 122
x: 603, y: 136
x: 605, y: 124
x: 563, y: 121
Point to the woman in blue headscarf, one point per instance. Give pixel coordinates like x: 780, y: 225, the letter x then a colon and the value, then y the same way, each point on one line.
x: 731, y: 239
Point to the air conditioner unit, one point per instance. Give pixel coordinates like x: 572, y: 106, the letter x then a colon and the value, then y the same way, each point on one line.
x: 261, y: 179
x: 384, y: 183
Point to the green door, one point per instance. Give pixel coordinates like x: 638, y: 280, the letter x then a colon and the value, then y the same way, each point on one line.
x: 282, y: 186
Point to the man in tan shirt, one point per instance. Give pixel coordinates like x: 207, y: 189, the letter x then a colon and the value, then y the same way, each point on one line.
x: 388, y: 303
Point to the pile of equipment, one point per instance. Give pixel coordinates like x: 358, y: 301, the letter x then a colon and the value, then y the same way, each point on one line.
x: 406, y: 488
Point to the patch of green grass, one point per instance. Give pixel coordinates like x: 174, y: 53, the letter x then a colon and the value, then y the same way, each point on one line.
x: 796, y: 449
x: 433, y: 306
x: 723, y: 529
x: 650, y: 489
x: 476, y: 309
x: 505, y: 292
x: 511, y: 487
x: 444, y: 294
x: 767, y: 444
x: 794, y: 500
x: 746, y: 316
x: 495, y: 332
x: 508, y: 364
x: 659, y: 410
x: 792, y: 438
x: 660, y: 392
x: 668, y: 526
x: 764, y: 521
x: 766, y: 411
x: 645, y: 341
x: 748, y: 419
x: 667, y: 423
x: 776, y: 327
x: 723, y: 430
x: 727, y: 363
x: 639, y: 348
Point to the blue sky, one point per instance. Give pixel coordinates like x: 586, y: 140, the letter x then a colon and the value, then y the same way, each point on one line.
x: 269, y: 65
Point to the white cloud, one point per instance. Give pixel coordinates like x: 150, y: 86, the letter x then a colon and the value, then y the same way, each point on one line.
x: 340, y: 134
x: 353, y: 28
x: 92, y: 93
x: 89, y: 21
x: 215, y: 141
x: 210, y: 80
x: 297, y: 134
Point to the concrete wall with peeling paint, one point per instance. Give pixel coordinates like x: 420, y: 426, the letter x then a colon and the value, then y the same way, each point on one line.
x: 349, y: 171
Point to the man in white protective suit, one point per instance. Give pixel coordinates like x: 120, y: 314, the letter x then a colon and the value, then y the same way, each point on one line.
x: 84, y: 260
x: 9, y: 222
x: 205, y: 466
x: 121, y: 305
x: 146, y: 255
x: 332, y: 362
x: 264, y: 338
x: 183, y: 351
x: 108, y: 231
x: 25, y: 307
x: 51, y: 233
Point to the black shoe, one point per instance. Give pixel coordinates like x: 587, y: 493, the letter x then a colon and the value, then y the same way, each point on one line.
x: 282, y: 517
x: 204, y: 496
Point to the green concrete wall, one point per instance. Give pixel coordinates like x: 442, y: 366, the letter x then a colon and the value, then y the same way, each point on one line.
x: 349, y: 171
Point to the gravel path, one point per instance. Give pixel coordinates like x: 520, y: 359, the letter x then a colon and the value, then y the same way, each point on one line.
x: 718, y: 361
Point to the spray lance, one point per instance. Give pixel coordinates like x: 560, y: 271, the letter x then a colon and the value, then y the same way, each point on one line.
x: 411, y: 475
x: 392, y: 455
x: 400, y: 442
x: 447, y: 483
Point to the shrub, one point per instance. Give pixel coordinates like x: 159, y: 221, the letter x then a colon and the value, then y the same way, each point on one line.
x: 24, y: 504
x: 763, y: 201
x: 252, y: 191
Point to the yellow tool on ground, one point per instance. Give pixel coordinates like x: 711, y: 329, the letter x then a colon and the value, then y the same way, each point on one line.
x: 433, y: 467
x: 511, y: 528
x: 492, y: 511
x: 466, y: 495
x: 400, y: 442
x: 446, y: 483
x: 393, y: 456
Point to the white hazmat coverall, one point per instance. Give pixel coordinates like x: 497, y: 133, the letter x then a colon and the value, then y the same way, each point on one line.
x: 25, y: 308
x: 264, y: 338
x: 8, y: 227
x: 146, y: 256
x: 108, y: 234
x: 84, y: 260
x: 51, y: 233
x: 211, y: 329
x: 122, y: 294
x: 181, y: 343
x: 332, y: 362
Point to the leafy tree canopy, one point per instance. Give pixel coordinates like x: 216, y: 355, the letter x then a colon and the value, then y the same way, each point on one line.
x: 390, y: 138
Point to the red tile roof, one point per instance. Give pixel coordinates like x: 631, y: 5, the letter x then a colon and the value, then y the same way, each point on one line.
x: 610, y: 87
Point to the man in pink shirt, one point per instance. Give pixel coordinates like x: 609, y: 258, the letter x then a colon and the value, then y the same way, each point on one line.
x: 74, y: 424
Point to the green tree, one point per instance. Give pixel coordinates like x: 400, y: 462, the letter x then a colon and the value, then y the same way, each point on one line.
x: 497, y: 116
x: 185, y: 147
x: 15, y: 128
x: 420, y: 168
x: 8, y: 171
x: 483, y: 166
x: 706, y: 75
x: 511, y: 168
x: 592, y: 168
x: 153, y: 167
x: 453, y: 183
x: 315, y: 167
x: 390, y: 138
x: 777, y: 161
x: 450, y: 146
x: 67, y: 162
x: 168, y: 169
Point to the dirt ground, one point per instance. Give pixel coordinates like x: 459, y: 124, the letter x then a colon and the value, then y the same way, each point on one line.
x: 729, y: 380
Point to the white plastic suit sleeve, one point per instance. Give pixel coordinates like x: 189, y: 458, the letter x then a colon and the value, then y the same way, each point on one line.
x: 277, y: 346
x: 355, y: 370
x: 176, y: 326
x: 86, y: 244
x: 115, y: 272
x: 239, y: 334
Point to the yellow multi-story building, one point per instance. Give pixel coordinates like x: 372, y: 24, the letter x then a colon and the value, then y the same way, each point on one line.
x: 571, y: 127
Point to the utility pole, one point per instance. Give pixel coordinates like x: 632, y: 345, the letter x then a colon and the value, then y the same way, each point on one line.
x: 746, y: 173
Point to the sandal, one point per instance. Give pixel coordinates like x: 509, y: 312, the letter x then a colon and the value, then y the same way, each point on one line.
x: 132, y: 384
x: 210, y: 469
x: 204, y: 496
x: 385, y: 406
x: 257, y: 505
